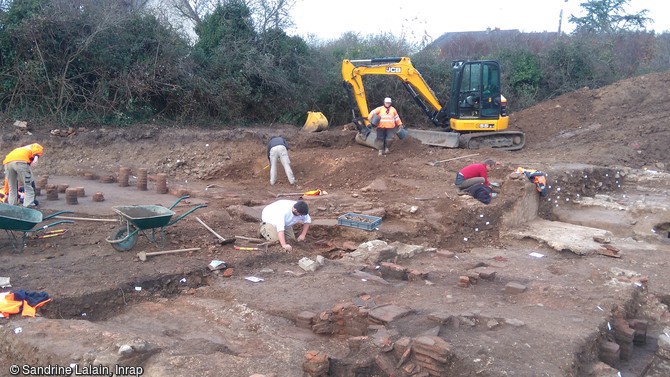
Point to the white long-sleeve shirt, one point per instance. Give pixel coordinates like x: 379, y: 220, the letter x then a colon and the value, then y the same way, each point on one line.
x: 280, y: 214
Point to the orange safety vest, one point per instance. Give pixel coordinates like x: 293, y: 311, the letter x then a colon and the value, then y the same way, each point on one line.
x: 536, y: 177
x: 25, y: 154
x: 317, y: 192
x: 388, y: 119
x: 4, y: 192
x: 9, y: 305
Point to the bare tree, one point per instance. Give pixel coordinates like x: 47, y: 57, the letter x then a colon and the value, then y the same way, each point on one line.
x: 194, y: 10
x: 271, y: 14
x: 135, y: 5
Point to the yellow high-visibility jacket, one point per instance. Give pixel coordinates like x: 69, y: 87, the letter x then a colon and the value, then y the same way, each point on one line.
x: 24, y: 154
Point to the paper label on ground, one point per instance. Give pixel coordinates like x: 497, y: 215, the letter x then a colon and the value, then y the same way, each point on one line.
x: 536, y: 255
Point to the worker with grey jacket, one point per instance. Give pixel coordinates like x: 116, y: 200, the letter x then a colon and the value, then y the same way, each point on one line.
x: 278, y: 150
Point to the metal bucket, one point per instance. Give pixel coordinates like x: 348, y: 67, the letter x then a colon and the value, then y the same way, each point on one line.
x: 402, y: 133
x: 375, y: 119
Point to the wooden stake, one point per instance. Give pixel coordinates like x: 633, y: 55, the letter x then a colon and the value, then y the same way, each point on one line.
x: 213, y: 232
x: 85, y: 219
x: 451, y: 159
x: 143, y: 255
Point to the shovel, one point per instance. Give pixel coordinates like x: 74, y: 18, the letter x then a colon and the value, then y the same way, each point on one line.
x: 143, y: 256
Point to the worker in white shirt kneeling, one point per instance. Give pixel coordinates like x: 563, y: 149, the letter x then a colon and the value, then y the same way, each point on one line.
x: 278, y: 219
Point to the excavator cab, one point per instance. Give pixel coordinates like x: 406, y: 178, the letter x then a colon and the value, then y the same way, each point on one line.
x: 475, y: 103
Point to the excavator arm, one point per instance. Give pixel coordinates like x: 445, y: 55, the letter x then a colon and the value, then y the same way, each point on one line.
x: 398, y: 67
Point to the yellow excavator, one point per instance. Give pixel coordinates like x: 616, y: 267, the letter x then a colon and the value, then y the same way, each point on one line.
x: 475, y: 115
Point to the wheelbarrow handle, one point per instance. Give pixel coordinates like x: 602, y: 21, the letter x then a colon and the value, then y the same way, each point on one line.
x: 179, y: 200
x: 43, y: 227
x: 55, y: 214
x: 186, y: 213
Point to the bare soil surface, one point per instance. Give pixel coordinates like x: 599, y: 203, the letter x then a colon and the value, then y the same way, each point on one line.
x: 606, y: 155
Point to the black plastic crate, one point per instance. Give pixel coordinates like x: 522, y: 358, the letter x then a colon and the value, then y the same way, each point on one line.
x: 359, y: 221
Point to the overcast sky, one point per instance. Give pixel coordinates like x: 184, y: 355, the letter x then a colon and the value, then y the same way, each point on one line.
x: 328, y: 19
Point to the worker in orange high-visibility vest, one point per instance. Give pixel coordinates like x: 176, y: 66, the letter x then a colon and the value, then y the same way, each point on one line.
x: 386, y: 127
x: 18, y: 165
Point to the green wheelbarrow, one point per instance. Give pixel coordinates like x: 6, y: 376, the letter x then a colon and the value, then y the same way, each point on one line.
x: 138, y: 219
x: 17, y: 219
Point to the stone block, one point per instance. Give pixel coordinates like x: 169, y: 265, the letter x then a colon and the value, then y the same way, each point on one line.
x: 407, y: 251
x: 445, y: 253
x: 388, y: 313
x: 439, y: 317
x: 514, y: 288
x: 486, y: 273
x: 308, y: 264
x: 663, y: 350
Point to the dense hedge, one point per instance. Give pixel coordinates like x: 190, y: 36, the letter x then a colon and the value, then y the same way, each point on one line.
x: 74, y: 62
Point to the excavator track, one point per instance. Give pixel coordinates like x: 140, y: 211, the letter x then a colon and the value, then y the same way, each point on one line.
x: 503, y: 140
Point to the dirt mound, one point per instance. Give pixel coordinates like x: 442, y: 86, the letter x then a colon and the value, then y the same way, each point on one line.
x: 624, y: 124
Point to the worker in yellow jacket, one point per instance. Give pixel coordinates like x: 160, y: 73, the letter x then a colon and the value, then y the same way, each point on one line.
x: 388, y: 119
x: 18, y: 165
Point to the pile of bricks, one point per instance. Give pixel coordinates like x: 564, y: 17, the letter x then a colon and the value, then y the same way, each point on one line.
x: 305, y: 319
x: 395, y: 271
x: 422, y: 356
x: 316, y: 364
x: 432, y: 353
x: 625, y: 335
x: 610, y: 353
x: 342, y: 319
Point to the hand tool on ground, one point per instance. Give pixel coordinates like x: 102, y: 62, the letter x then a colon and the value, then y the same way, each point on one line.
x: 261, y: 246
x: 265, y: 168
x: 290, y: 194
x: 248, y: 248
x: 317, y: 192
x: 224, y: 241
x: 433, y: 163
x: 51, y: 233
x: 143, y: 256
x: 251, y: 239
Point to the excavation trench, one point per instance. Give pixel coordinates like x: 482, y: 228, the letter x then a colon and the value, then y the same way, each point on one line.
x: 415, y: 316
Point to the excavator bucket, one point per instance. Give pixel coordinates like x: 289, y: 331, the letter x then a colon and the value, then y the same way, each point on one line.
x: 315, y: 122
x: 436, y: 138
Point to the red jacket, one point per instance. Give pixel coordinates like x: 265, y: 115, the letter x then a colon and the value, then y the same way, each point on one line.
x: 476, y: 170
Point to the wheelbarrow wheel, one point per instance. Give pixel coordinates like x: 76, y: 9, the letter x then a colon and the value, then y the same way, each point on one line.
x: 121, y: 233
